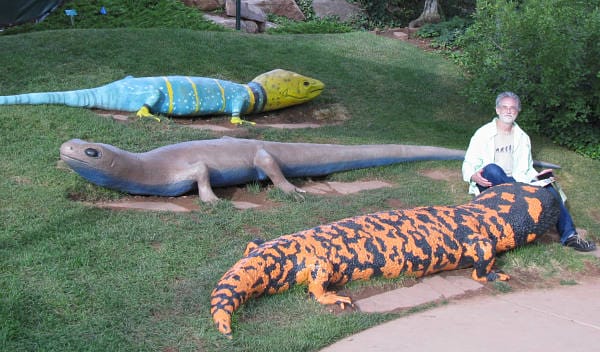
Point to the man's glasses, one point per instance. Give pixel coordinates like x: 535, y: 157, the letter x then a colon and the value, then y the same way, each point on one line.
x: 512, y: 109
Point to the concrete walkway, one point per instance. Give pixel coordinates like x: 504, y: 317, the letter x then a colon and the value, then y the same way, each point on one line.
x: 566, y: 318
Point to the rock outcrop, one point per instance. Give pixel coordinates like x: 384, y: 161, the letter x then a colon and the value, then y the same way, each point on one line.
x: 254, y: 13
x: 341, y: 9
x: 205, y: 5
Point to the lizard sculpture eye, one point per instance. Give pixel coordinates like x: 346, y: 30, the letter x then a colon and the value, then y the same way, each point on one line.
x: 306, y: 83
x: 93, y: 153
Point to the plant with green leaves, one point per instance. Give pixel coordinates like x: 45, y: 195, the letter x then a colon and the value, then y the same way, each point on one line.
x: 310, y: 26
x: 120, y: 14
x: 445, y: 34
x: 546, y: 51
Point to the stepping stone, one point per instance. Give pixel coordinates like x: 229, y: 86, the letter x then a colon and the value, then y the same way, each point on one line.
x: 431, y: 289
x: 152, y: 206
x: 354, y: 187
x: 244, y: 205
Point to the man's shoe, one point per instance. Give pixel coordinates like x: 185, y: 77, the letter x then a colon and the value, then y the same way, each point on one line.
x: 579, y: 244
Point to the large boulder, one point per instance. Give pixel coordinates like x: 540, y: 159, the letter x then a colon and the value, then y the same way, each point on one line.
x: 247, y: 11
x: 285, y: 8
x: 205, y: 5
x: 257, y: 11
x: 342, y: 9
x: 230, y: 22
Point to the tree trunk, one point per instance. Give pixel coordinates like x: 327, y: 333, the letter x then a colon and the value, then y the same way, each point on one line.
x: 430, y: 14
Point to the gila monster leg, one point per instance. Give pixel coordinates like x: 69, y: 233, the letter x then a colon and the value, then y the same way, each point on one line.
x: 252, y: 245
x: 319, y: 281
x: 483, y: 254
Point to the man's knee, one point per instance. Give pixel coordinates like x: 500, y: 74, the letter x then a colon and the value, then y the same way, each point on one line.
x: 496, y: 175
x: 493, y: 170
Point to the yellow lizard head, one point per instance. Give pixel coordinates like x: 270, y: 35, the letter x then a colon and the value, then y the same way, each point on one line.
x: 285, y: 88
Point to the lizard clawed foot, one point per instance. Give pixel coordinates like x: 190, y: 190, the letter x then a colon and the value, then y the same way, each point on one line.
x: 496, y: 275
x: 331, y: 297
x: 298, y: 196
x: 491, y: 276
x: 145, y: 112
x: 291, y: 190
x: 236, y: 120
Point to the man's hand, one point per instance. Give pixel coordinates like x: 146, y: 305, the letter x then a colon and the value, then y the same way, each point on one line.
x: 542, y: 173
x: 480, y: 180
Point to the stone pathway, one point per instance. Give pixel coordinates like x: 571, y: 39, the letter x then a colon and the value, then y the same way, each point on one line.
x: 565, y: 318
x: 190, y: 202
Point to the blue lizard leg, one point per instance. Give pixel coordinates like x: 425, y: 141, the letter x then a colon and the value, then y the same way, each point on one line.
x: 149, y: 104
x: 237, y: 120
x: 237, y: 106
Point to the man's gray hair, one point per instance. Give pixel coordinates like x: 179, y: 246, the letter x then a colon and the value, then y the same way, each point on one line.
x: 508, y: 95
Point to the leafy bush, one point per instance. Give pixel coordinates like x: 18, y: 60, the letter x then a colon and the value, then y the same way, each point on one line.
x: 458, y: 8
x: 121, y: 14
x: 398, y: 13
x: 311, y: 26
x: 390, y: 13
x: 446, y: 33
x: 546, y: 51
x: 306, y: 8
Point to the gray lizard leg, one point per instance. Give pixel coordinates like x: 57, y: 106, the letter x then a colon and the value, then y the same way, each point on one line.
x: 202, y: 176
x: 269, y: 166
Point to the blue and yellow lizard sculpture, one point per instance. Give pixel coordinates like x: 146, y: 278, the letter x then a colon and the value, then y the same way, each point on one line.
x: 186, y: 96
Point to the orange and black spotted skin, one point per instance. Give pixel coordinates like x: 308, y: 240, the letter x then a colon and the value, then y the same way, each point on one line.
x: 417, y: 241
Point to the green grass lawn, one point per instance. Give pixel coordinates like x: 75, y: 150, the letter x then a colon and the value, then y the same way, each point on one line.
x: 75, y: 278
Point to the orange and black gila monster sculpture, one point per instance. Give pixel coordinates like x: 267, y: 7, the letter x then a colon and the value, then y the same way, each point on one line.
x: 418, y: 242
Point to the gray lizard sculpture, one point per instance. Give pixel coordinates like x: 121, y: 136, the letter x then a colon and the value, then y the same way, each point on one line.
x: 179, y: 168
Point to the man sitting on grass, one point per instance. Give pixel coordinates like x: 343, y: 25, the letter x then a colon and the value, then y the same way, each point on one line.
x: 500, y: 152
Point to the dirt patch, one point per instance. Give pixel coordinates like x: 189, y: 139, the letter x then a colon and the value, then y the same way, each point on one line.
x: 309, y: 115
x: 242, y: 197
x: 595, y: 214
x: 396, y: 203
x: 406, y: 35
x: 452, y: 175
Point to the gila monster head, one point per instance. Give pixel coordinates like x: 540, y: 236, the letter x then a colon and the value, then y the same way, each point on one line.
x: 529, y: 210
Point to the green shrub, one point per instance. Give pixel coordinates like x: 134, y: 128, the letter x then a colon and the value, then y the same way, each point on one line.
x: 312, y: 26
x: 445, y: 34
x: 390, y: 13
x: 122, y: 14
x: 306, y: 8
x: 546, y: 51
x: 398, y: 13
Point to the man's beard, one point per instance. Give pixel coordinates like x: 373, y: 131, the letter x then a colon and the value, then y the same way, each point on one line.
x: 508, y: 119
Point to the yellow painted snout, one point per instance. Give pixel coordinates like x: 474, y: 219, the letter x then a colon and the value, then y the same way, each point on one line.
x: 285, y: 88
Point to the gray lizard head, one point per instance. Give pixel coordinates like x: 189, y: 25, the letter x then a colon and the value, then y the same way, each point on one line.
x: 98, y: 163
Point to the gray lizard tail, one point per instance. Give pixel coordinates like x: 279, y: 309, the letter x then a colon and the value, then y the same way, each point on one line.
x: 545, y: 165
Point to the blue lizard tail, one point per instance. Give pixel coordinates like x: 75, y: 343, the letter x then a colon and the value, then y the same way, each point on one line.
x: 85, y: 98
